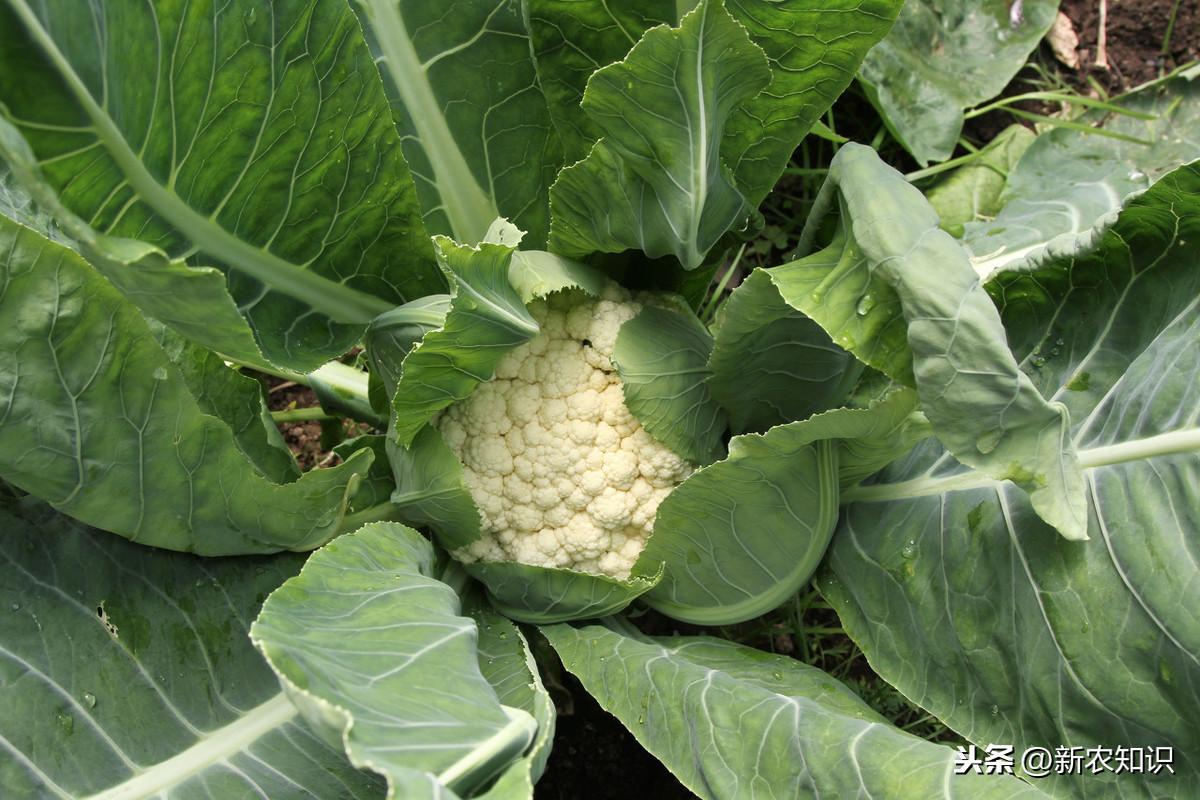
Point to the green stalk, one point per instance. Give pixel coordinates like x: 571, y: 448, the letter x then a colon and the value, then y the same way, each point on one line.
x: 382, y: 512
x: 314, y: 414
x: 1058, y: 97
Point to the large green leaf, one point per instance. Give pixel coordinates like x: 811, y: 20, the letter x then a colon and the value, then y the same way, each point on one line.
x: 466, y: 97
x: 126, y: 672
x: 972, y: 192
x: 194, y: 301
x: 1070, y: 184
x: 944, y: 56
x: 891, y: 267
x: 771, y: 363
x: 739, y: 537
x: 731, y: 721
x: 544, y: 595
x: 571, y: 40
x: 247, y: 137
x: 662, y: 358
x: 656, y: 182
x: 961, y: 598
x: 813, y: 48
x: 508, y: 665
x: 431, y: 488
x: 235, y: 399
x: 375, y: 652
x: 97, y: 420
x: 485, y: 320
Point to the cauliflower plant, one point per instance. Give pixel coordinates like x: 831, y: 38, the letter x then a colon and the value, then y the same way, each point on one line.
x: 562, y: 473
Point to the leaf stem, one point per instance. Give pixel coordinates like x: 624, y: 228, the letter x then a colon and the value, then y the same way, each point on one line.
x: 313, y: 414
x: 383, y: 512
x: 1058, y: 97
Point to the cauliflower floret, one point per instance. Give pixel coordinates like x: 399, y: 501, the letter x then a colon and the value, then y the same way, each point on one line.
x: 563, y: 474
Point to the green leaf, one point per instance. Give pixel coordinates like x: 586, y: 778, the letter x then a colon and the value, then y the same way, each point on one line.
x: 235, y: 399
x: 944, y: 56
x: 891, y: 268
x: 731, y: 721
x: 375, y: 652
x: 544, y: 595
x: 377, y: 484
x: 1069, y: 185
x: 571, y: 40
x: 662, y: 358
x: 479, y: 148
x: 110, y: 432
x: 771, y: 363
x: 391, y: 336
x: 486, y: 319
x: 536, y: 273
x: 126, y: 672
x: 656, y: 182
x: 431, y: 488
x: 956, y: 591
x: 741, y: 536
x: 972, y: 192
x: 508, y: 665
x: 814, y: 48
x: 194, y: 301
x: 250, y: 139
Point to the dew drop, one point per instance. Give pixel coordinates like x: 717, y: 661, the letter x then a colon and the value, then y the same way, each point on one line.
x: 66, y: 722
x: 987, y: 442
x: 995, y: 710
x: 89, y: 699
x: 910, y: 549
x: 865, y: 305
x: 15, y: 606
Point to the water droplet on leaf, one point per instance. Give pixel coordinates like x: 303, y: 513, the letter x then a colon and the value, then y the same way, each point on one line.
x: 89, y: 699
x: 987, y: 442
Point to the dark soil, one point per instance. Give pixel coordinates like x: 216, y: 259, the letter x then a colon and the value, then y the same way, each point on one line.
x: 596, y: 758
x: 302, y: 438
x: 1136, y: 38
x: 1136, y: 31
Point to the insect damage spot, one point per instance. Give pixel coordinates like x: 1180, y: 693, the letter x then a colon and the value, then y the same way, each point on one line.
x: 105, y: 621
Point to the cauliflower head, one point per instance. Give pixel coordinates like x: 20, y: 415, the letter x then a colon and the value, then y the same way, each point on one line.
x: 563, y: 474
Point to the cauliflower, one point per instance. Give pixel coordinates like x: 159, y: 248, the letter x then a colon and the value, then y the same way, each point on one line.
x: 563, y: 474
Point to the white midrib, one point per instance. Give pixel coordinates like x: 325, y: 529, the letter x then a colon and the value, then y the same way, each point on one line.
x: 1181, y: 441
x: 337, y: 301
x: 467, y: 206
x: 700, y: 176
x: 216, y: 746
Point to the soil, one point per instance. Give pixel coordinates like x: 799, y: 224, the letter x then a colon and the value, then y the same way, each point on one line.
x: 1138, y: 50
x: 302, y: 438
x: 1135, y: 33
x: 596, y: 758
